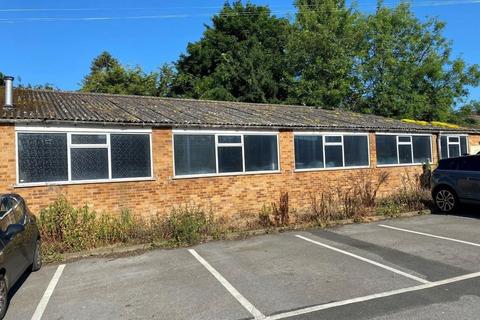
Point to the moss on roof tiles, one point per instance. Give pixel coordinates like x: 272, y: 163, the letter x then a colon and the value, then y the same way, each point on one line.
x: 61, y: 106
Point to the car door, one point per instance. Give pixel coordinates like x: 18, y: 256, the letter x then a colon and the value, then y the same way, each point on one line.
x: 462, y: 177
x: 13, y: 246
x: 453, y: 173
x: 473, y: 177
x: 26, y: 236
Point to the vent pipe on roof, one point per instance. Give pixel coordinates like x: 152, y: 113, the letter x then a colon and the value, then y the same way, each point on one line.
x: 8, y: 81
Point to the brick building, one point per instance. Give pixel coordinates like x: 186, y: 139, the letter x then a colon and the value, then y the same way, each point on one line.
x: 149, y: 154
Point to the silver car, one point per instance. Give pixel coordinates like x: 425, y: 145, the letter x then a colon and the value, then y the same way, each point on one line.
x: 455, y: 181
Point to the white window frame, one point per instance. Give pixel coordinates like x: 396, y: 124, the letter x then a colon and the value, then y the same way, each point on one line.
x: 240, y: 144
x: 82, y: 131
x: 325, y: 134
x: 71, y: 145
x: 216, y: 134
x: 407, y: 143
x: 411, y: 135
x: 448, y: 136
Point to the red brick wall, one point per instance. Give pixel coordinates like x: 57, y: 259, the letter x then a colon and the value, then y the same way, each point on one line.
x: 224, y: 195
x: 474, y: 143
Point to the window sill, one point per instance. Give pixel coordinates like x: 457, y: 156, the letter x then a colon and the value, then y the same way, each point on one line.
x: 399, y: 165
x: 331, y: 169
x: 219, y: 175
x: 63, y: 183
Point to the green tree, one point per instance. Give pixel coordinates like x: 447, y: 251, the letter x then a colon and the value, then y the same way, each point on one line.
x: 45, y: 86
x: 165, y: 77
x: 468, y: 114
x: 107, y: 75
x: 406, y: 69
x: 240, y: 57
x: 321, y: 50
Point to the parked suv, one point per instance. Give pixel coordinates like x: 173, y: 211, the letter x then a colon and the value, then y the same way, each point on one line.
x: 456, y: 180
x: 19, y: 244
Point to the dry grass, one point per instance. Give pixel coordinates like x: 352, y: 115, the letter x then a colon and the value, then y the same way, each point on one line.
x: 64, y: 228
x: 67, y: 229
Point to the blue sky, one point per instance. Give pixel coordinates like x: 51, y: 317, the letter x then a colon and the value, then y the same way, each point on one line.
x: 55, y: 41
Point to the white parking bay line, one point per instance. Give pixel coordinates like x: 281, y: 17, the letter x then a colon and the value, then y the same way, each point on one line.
x: 365, y: 260
x: 430, y: 235
x: 42, y: 305
x: 224, y: 282
x: 371, y: 297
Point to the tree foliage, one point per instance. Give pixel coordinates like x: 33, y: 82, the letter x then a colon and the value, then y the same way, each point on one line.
x: 468, y: 114
x: 45, y: 86
x: 107, y: 75
x: 240, y: 57
x: 330, y: 55
x: 322, y: 48
x: 406, y: 70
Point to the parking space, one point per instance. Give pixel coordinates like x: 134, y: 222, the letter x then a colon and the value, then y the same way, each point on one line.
x: 282, y: 272
x: 169, y: 283
x: 432, y: 258
x: 423, y: 267
x: 28, y: 292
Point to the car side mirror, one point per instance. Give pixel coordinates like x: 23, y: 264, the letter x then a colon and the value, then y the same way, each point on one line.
x: 13, y: 229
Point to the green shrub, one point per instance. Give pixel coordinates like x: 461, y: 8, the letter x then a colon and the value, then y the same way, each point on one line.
x: 188, y: 225
x: 405, y: 200
x: 74, y: 229
x: 389, y: 207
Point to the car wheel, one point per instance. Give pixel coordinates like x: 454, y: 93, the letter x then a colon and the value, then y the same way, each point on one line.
x: 3, y: 297
x: 446, y: 200
x: 37, y: 257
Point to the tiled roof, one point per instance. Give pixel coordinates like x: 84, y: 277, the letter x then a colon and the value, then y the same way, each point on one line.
x: 476, y: 118
x: 42, y: 106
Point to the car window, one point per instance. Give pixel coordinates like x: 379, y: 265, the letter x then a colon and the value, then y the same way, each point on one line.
x: 5, y: 206
x: 449, y: 164
x: 471, y: 164
x: 7, y: 216
x: 463, y: 164
x: 18, y: 212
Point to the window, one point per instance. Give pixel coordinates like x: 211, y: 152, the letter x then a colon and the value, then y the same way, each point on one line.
x: 132, y: 163
x: 308, y: 152
x: 453, y: 146
x: 422, y: 149
x: 230, y: 158
x: 331, y: 151
x: 471, y: 164
x: 448, y: 164
x: 405, y: 154
x: 6, y: 213
x: 194, y: 154
x: 11, y: 212
x: 403, y: 149
x: 42, y: 157
x: 224, y: 153
x: 386, y: 150
x: 71, y: 157
x: 18, y: 212
x: 261, y: 153
x: 356, y: 151
x: 88, y: 157
x: 464, y: 164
